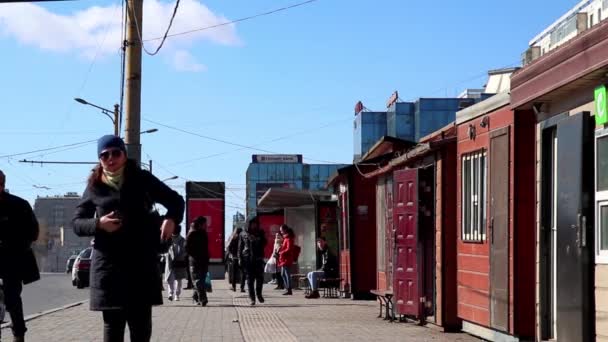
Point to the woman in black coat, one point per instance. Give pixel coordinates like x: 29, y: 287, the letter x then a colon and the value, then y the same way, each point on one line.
x: 116, y: 208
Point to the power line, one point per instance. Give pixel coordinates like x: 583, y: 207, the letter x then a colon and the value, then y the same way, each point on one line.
x: 256, y: 145
x: 88, y: 72
x: 46, y: 149
x: 139, y: 33
x: 234, y: 21
x: 227, y: 142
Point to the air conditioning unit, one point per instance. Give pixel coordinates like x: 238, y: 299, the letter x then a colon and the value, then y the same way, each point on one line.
x: 530, y: 55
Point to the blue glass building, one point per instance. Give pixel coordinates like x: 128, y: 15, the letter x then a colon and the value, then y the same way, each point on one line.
x: 369, y: 127
x: 283, y: 171
x: 408, y: 121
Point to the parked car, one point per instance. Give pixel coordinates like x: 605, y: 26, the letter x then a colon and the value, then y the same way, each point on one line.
x: 82, y: 266
x: 70, y: 263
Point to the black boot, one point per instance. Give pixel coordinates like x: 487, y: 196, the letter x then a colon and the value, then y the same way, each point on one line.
x: 287, y: 293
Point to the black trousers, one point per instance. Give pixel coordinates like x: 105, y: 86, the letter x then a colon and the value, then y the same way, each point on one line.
x: 198, y: 277
x: 236, y: 270
x: 12, y: 299
x: 138, y: 318
x: 255, y: 278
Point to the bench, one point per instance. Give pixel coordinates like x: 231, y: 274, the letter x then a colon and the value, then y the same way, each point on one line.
x: 303, y: 282
x: 385, y: 298
x: 295, y: 280
x: 330, y: 287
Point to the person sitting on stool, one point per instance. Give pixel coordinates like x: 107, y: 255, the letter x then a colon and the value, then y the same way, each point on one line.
x: 329, y: 268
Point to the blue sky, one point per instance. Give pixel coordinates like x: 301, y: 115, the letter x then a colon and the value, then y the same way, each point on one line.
x: 295, y: 74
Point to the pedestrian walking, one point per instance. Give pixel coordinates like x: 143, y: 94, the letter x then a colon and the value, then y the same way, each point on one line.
x: 251, y: 258
x: 117, y: 209
x: 198, y: 250
x: 18, y: 230
x: 287, y: 255
x: 176, y: 264
x: 236, y: 272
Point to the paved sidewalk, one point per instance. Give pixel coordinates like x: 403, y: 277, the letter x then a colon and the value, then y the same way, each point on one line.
x: 228, y: 317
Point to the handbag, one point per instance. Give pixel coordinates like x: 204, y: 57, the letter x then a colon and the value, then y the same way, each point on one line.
x: 271, y: 265
x: 208, y: 287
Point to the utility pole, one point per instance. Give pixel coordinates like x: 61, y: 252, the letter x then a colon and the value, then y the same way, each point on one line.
x: 133, y: 82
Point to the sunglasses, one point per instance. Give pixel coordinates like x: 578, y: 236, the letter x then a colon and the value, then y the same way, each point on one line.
x: 105, y: 155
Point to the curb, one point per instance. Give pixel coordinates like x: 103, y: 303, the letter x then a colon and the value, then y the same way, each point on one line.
x: 47, y: 312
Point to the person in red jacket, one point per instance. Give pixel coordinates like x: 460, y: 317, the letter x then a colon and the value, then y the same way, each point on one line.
x: 287, y: 256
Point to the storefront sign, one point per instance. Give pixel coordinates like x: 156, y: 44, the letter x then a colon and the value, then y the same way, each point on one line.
x: 277, y: 158
x: 601, y: 105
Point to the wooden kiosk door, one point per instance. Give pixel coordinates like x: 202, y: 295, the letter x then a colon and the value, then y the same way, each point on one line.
x: 406, y: 271
x: 499, y: 229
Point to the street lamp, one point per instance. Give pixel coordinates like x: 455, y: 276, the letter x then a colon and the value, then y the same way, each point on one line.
x: 170, y: 178
x: 106, y: 112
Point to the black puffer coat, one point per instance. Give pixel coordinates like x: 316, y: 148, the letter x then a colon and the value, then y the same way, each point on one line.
x: 124, y: 268
x: 18, y: 229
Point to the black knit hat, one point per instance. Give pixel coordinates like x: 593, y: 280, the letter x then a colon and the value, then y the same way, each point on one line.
x: 108, y: 141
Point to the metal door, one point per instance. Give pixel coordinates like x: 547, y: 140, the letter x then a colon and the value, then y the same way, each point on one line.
x: 574, y: 170
x: 406, y: 271
x: 499, y: 229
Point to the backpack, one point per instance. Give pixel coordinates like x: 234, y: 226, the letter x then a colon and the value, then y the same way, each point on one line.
x: 296, y: 252
x: 180, y: 256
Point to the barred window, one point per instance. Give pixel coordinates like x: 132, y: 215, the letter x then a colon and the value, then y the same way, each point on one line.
x: 474, y: 185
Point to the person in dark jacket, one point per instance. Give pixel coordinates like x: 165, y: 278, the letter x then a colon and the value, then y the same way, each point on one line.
x: 251, y: 258
x: 18, y: 230
x: 198, y: 250
x: 117, y: 209
x: 329, y: 268
x: 236, y: 272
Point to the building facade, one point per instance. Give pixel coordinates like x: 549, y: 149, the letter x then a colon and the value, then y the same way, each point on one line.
x: 283, y: 171
x: 581, y: 17
x: 57, y: 241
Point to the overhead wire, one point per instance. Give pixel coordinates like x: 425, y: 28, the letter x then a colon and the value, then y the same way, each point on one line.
x: 197, y: 184
x: 46, y: 149
x: 262, y: 143
x: 226, y: 142
x: 88, y: 72
x: 234, y: 21
x: 139, y: 33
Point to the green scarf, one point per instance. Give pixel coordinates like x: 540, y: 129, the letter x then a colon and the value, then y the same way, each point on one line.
x: 113, y: 179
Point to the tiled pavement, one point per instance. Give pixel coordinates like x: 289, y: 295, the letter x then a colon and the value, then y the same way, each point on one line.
x: 228, y: 317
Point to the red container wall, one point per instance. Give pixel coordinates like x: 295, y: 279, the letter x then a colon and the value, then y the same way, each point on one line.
x: 473, y: 259
x: 525, y: 223
x: 473, y: 275
x: 446, y: 236
x: 363, y: 235
x: 213, y: 210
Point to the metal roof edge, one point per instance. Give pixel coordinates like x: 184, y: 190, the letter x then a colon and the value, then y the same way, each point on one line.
x: 497, y: 101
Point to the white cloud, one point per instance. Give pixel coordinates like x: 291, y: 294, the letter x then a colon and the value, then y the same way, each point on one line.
x: 83, y: 31
x: 184, y: 61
